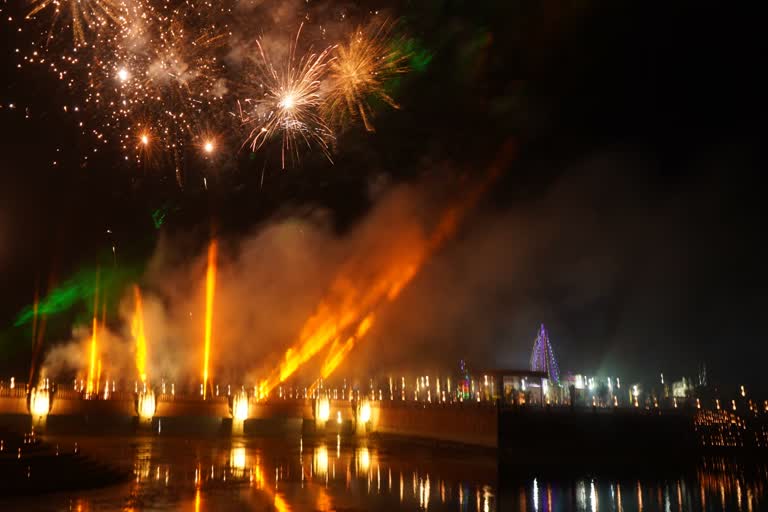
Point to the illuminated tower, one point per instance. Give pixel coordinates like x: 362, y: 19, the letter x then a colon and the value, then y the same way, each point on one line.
x: 543, y: 357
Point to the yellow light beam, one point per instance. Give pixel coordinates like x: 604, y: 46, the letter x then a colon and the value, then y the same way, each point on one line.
x: 210, y: 285
x: 137, y: 329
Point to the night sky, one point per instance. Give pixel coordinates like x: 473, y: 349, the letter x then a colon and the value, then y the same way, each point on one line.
x: 630, y: 222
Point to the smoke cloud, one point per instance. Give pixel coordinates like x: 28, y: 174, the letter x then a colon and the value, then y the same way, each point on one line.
x: 595, y: 278
x: 268, y: 284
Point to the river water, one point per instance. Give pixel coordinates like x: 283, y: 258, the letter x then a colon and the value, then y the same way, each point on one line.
x: 269, y: 474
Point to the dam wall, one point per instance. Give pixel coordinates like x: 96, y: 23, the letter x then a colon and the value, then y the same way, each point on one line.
x: 295, y: 409
x: 13, y: 405
x: 469, y: 423
x: 525, y: 435
x: 465, y: 423
x: 65, y: 406
x: 213, y: 408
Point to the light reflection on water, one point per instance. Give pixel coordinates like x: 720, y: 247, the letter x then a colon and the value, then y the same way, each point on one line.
x: 276, y: 475
x: 716, y: 485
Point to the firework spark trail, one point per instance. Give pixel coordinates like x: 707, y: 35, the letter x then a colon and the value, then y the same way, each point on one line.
x: 210, y: 285
x: 290, y: 104
x: 354, y: 297
x: 137, y: 331
x: 359, y: 72
x: 83, y: 13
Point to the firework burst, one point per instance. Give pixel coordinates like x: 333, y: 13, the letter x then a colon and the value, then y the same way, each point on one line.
x: 83, y: 14
x: 163, y: 80
x: 151, y: 78
x: 288, y: 103
x: 359, y: 73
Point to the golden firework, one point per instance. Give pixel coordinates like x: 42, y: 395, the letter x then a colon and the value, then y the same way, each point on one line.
x: 161, y: 73
x: 359, y: 73
x: 91, y: 14
x: 288, y: 103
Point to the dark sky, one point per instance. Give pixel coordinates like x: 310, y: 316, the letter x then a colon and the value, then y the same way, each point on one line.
x: 631, y: 222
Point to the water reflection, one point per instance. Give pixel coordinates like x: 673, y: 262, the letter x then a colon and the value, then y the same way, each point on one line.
x: 320, y: 461
x: 315, y: 475
x: 285, y: 476
x: 237, y: 458
x: 487, y: 497
x: 716, y: 485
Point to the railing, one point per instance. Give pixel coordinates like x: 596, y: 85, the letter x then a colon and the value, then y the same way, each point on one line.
x: 168, y: 397
x: 15, y: 392
x: 67, y: 394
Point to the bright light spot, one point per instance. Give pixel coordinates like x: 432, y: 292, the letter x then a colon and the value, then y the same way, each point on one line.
x: 39, y: 402
x: 287, y: 102
x: 147, y: 404
x: 365, y: 412
x: 320, y: 460
x: 323, y: 409
x: 237, y: 458
x: 123, y: 75
x: 364, y: 459
x: 208, y: 147
x: 240, y: 406
x: 145, y: 139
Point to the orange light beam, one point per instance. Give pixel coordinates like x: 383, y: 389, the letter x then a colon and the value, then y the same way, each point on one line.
x: 94, y: 341
x: 349, y: 298
x: 210, y: 285
x: 337, y: 353
x: 137, y: 330
x: 92, y: 366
